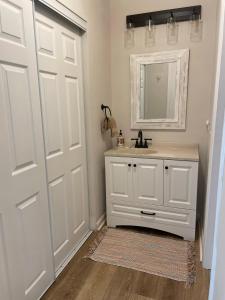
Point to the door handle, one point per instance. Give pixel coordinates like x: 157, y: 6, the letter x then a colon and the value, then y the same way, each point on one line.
x: 148, y: 214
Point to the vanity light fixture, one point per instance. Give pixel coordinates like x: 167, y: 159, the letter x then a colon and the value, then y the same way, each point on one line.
x: 171, y: 17
x: 196, y: 28
x: 129, y: 36
x: 172, y: 30
x: 149, y: 33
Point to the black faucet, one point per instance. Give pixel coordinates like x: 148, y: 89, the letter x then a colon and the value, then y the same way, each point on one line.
x: 140, y: 136
x: 139, y: 141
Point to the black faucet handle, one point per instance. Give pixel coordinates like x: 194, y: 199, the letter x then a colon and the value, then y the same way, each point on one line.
x: 136, y: 144
x: 146, y: 143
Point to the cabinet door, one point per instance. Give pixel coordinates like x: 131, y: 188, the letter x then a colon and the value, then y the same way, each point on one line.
x: 180, y: 184
x: 119, y: 179
x: 148, y: 181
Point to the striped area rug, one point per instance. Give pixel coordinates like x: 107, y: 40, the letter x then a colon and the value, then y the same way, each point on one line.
x: 150, y: 253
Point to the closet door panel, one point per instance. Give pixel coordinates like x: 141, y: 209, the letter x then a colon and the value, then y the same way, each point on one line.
x: 25, y: 249
x: 53, y: 123
x: 59, y: 218
x: 31, y: 230
x: 52, y: 114
x: 73, y: 106
x: 18, y: 106
x: 60, y: 71
x: 46, y: 40
x: 78, y: 213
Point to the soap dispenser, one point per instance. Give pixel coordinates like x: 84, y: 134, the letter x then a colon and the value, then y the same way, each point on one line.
x: 120, y: 140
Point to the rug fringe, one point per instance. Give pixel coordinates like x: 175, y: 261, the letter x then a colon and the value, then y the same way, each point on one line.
x: 191, y: 264
x: 94, y: 245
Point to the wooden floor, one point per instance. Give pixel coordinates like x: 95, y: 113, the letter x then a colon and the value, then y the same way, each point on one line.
x: 84, y: 279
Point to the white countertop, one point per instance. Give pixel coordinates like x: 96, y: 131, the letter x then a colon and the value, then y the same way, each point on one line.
x: 189, y: 152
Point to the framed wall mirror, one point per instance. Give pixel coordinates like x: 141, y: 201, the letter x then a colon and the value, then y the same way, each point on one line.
x: 159, y: 84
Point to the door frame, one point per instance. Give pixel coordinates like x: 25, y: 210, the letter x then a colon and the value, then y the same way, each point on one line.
x: 217, y: 288
x: 65, y: 12
x: 215, y: 147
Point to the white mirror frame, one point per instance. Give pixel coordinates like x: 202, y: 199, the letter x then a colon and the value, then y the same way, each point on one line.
x: 181, y: 57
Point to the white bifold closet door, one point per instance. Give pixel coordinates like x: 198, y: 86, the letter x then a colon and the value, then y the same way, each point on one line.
x: 60, y: 73
x: 26, y: 262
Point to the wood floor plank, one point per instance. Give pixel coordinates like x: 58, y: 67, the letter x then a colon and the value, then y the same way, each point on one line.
x: 84, y: 279
x: 149, y: 286
x: 97, y: 283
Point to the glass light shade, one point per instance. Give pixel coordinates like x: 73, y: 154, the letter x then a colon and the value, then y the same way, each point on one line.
x: 149, y: 34
x: 196, y: 29
x: 172, y: 31
x: 129, y: 36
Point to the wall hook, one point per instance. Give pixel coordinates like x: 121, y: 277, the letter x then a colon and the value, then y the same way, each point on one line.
x: 104, y: 108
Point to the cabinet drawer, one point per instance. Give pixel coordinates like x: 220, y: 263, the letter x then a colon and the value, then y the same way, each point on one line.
x: 155, y: 214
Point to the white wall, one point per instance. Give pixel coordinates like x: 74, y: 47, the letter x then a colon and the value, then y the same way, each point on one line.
x: 97, y: 86
x: 103, y: 50
x: 201, y: 72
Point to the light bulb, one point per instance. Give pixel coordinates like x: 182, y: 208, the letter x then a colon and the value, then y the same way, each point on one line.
x: 196, y: 28
x: 172, y: 30
x: 149, y: 33
x: 129, y: 36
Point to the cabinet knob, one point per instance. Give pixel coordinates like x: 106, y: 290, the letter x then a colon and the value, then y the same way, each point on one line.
x: 129, y: 165
x: 135, y: 165
x: 166, y: 167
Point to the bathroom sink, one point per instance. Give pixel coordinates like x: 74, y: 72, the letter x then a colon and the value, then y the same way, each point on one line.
x: 141, y: 151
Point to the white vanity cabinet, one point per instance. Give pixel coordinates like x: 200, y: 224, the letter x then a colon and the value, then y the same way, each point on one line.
x: 155, y: 193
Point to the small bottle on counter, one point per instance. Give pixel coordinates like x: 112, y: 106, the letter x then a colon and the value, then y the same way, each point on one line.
x: 120, y: 140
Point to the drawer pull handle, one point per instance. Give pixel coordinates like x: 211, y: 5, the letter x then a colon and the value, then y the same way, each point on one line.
x: 148, y: 214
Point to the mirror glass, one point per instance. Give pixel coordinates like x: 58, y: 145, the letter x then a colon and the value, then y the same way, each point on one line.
x: 158, y: 86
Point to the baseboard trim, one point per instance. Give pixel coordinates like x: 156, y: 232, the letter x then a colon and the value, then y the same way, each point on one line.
x: 200, y: 241
x: 71, y: 255
x: 101, y: 222
x: 48, y: 287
